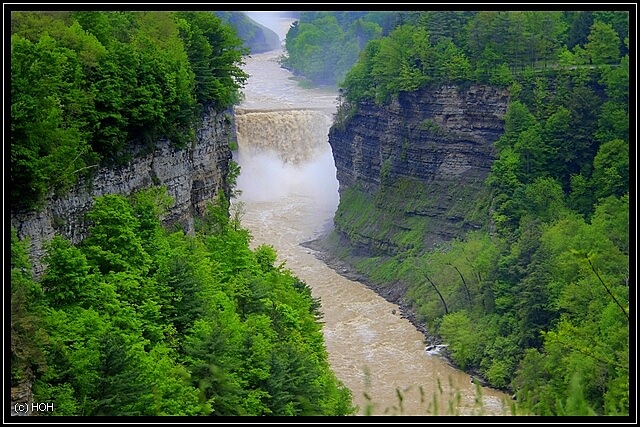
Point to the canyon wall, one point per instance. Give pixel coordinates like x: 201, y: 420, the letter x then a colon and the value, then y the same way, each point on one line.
x: 411, y: 173
x: 193, y: 176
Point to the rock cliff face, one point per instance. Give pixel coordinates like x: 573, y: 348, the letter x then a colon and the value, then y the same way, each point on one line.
x: 419, y: 164
x: 193, y: 176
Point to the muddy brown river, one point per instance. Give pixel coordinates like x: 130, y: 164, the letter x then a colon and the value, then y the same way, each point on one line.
x: 289, y: 194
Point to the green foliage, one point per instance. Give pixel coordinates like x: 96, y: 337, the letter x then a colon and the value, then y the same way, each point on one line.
x: 27, y: 335
x: 113, y: 243
x: 215, y: 53
x: 616, y: 81
x: 257, y: 38
x: 465, y: 340
x: 496, y: 48
x: 543, y: 199
x: 399, y: 64
x: 385, y: 171
x: 49, y: 143
x: 540, y: 305
x: 430, y: 125
x: 613, y: 123
x: 323, y: 46
x: 232, y: 179
x: 611, y: 218
x: 501, y: 76
x: 67, y: 279
x: 611, y: 169
x: 603, y: 46
x: 139, y: 321
x: 86, y: 87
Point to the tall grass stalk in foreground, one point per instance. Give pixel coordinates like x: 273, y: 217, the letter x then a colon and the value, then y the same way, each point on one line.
x: 433, y: 407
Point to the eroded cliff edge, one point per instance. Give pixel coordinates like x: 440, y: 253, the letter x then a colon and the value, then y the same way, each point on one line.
x: 412, y: 176
x: 193, y: 176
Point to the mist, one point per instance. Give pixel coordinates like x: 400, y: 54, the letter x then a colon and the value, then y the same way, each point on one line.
x: 282, y: 134
x: 266, y: 177
x: 279, y: 22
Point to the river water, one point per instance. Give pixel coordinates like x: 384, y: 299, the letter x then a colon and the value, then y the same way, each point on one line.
x: 289, y: 194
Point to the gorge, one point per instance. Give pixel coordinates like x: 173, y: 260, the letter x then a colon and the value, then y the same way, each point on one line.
x: 200, y: 229
x: 288, y: 196
x: 428, y: 154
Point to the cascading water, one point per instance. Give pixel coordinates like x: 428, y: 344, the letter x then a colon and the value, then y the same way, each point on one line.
x: 289, y: 194
x: 296, y: 136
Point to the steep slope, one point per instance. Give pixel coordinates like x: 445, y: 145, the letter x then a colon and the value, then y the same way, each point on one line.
x: 256, y: 36
x: 192, y: 176
x: 411, y: 173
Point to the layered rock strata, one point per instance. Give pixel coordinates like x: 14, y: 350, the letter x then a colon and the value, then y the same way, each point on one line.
x: 428, y: 152
x: 193, y: 176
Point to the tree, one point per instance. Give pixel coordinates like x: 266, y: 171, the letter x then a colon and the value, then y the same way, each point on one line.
x: 577, y: 153
x: 215, y: 53
x: 364, y: 31
x: 603, y: 46
x: 611, y: 218
x: 542, y: 199
x: 464, y: 338
x: 517, y: 119
x: 616, y: 81
x: 611, y: 169
x: 445, y: 25
x: 48, y: 143
x: 121, y: 387
x: 27, y: 333
x: 113, y: 244
x: 482, y: 35
x: 552, y: 34
x: 618, y: 20
x: 533, y: 153
x: 556, y: 132
x: 580, y: 24
x: 406, y: 50
x: 450, y: 63
x: 357, y: 82
x: 66, y: 279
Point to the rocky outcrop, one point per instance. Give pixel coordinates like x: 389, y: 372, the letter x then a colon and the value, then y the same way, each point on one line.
x: 193, y: 176
x: 430, y: 135
x: 22, y: 398
x: 426, y: 155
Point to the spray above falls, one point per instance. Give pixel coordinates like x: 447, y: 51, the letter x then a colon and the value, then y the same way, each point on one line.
x: 282, y: 132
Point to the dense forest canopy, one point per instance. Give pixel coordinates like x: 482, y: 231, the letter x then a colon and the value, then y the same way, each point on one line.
x: 323, y: 46
x: 257, y: 38
x: 140, y: 319
x: 434, y: 48
x: 88, y: 88
x: 537, y: 301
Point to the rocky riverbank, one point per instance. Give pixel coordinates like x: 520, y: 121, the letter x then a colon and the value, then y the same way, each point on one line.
x: 393, y: 294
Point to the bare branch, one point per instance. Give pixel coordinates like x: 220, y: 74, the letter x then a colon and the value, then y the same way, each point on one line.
x: 608, y: 291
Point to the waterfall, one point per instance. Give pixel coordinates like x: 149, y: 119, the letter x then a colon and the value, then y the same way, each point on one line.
x: 285, y: 151
x: 295, y: 135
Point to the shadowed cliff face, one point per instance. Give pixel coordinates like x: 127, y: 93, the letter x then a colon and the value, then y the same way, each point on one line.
x: 193, y: 177
x: 417, y: 165
x: 430, y: 135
